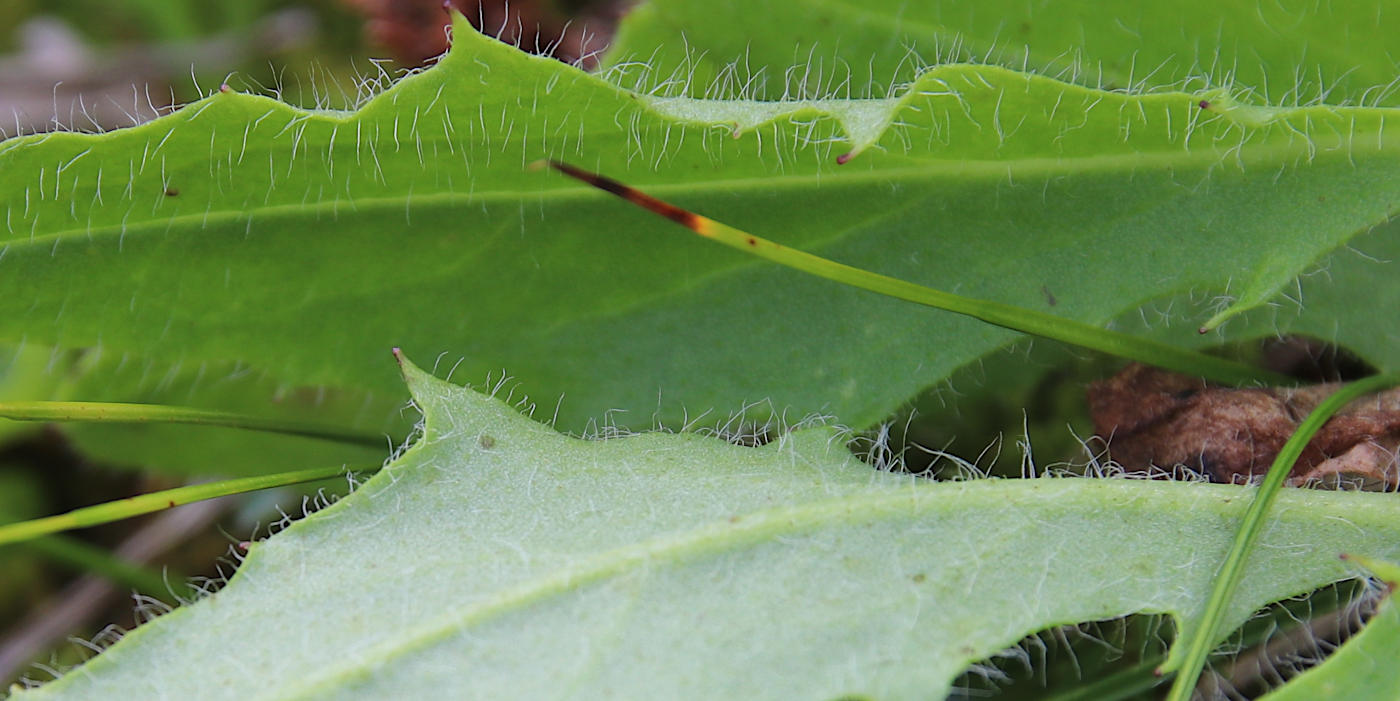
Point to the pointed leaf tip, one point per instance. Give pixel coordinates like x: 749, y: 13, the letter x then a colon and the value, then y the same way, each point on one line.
x: 414, y: 377
x: 411, y: 372
x: 1383, y: 570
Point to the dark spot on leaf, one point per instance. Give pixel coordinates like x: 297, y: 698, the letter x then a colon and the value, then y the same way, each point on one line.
x: 172, y: 192
x: 1049, y: 296
x: 919, y: 578
x: 753, y: 241
x: 486, y: 442
x: 1205, y: 104
x: 171, y: 503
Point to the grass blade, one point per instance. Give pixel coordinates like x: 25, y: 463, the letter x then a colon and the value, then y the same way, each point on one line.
x: 1230, y: 571
x: 112, y: 412
x: 157, y: 501
x: 1003, y: 315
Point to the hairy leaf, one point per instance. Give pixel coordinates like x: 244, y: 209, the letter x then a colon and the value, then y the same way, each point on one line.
x: 1286, y: 52
x: 498, y: 559
x: 1360, y: 669
x: 241, y: 230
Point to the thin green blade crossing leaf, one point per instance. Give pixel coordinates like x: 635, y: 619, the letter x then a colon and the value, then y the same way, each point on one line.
x: 1006, y: 316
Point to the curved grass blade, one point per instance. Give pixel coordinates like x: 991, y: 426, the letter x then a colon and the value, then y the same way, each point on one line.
x: 1194, y: 659
x: 114, y: 412
x: 1003, y: 315
x: 157, y: 501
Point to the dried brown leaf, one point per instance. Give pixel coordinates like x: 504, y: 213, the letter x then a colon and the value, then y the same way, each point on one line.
x: 1154, y: 418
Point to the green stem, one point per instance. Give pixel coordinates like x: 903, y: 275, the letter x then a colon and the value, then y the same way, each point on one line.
x: 1004, y: 315
x: 157, y: 501
x: 1228, y: 577
x: 1007, y: 316
x: 109, y: 412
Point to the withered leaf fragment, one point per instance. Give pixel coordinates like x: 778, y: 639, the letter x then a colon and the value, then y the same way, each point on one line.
x: 1154, y: 418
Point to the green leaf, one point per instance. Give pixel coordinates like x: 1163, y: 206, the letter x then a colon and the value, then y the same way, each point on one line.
x: 1283, y: 52
x: 305, y: 243
x: 680, y: 566
x: 1362, y: 668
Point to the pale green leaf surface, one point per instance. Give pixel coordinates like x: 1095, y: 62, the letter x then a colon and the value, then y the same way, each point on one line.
x: 1363, y: 669
x: 1286, y: 52
x: 499, y: 559
x: 243, y: 230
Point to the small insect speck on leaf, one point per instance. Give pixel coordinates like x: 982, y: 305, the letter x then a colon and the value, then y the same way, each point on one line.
x: 1049, y: 296
x: 919, y: 578
x: 486, y: 442
x: 1205, y: 104
x: 172, y: 192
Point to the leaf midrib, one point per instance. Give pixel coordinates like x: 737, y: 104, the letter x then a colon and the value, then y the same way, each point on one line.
x: 1322, y: 148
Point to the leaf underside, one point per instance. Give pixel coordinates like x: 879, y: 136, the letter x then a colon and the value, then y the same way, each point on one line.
x: 499, y: 559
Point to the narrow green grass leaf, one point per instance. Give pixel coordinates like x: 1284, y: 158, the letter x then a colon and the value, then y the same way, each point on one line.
x: 1028, y: 321
x: 1188, y: 661
x: 158, y: 501
x: 187, y: 451
x: 113, y: 412
x: 680, y: 566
